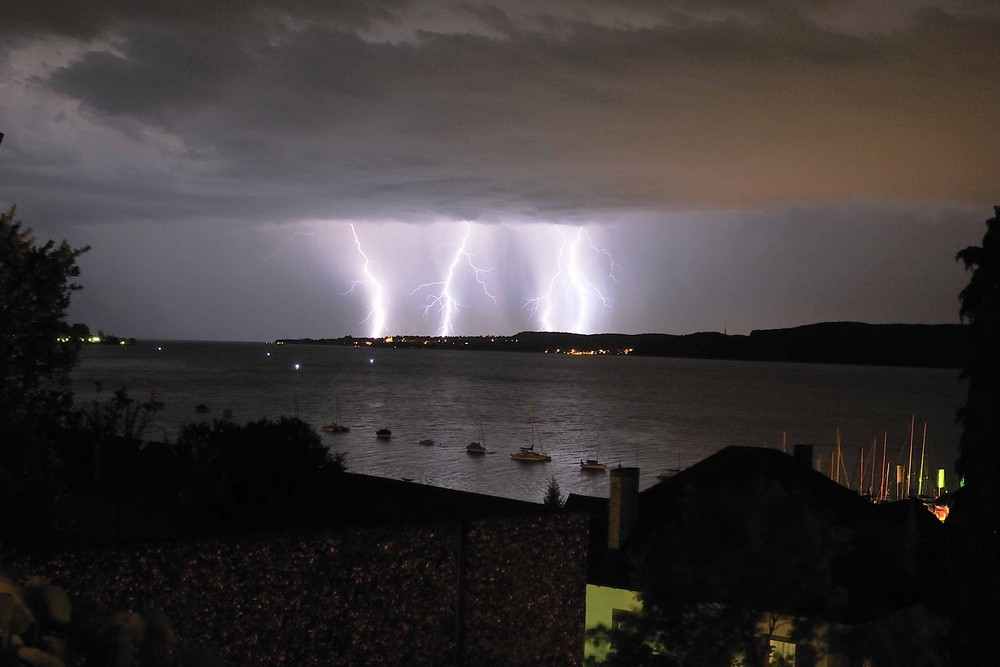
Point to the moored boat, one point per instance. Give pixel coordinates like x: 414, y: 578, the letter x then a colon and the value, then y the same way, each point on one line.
x: 477, y: 446
x: 528, y: 454
x: 336, y: 426
x: 384, y: 433
x: 594, y: 463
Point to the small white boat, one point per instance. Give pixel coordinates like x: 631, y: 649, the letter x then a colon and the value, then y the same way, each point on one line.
x: 384, y: 433
x: 594, y: 463
x: 528, y: 454
x: 336, y: 426
x: 479, y: 446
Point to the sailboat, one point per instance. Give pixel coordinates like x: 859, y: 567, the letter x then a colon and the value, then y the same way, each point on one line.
x: 594, y: 463
x: 477, y: 446
x: 336, y: 426
x: 384, y: 433
x: 528, y: 454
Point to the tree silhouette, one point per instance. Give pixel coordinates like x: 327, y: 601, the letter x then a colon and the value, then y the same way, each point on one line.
x: 261, y: 474
x: 974, y: 521
x: 553, y: 496
x: 979, y: 462
x: 36, y: 356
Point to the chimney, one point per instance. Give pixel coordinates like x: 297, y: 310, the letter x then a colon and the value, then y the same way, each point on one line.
x: 623, y: 505
x: 804, y: 455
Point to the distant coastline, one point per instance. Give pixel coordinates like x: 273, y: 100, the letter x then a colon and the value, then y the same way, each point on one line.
x: 919, y: 345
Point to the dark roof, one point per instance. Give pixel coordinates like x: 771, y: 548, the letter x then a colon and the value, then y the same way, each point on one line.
x: 369, y: 500
x: 741, y: 504
x: 740, y: 471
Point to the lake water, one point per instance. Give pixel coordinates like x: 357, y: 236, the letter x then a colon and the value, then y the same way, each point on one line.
x: 656, y: 413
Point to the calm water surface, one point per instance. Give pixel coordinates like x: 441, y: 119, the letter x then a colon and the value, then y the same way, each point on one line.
x: 652, y: 412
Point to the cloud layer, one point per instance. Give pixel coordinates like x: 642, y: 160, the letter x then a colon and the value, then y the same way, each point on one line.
x: 403, y: 111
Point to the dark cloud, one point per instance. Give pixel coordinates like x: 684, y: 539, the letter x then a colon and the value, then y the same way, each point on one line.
x: 91, y: 20
x: 614, y: 116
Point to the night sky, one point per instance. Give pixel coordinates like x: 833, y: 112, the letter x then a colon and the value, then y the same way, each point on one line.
x: 630, y: 166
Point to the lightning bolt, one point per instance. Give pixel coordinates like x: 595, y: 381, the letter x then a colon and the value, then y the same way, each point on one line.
x: 575, y: 282
x: 579, y: 282
x: 602, y: 251
x: 285, y: 244
x: 444, y: 300
x: 550, y: 298
x: 376, y: 309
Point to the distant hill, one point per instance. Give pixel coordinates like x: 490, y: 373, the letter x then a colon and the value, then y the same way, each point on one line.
x: 926, y: 345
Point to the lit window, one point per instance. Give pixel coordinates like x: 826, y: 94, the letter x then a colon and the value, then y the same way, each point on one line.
x: 782, y: 653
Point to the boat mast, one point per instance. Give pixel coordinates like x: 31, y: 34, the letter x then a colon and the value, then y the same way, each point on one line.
x: 920, y: 477
x: 871, y: 485
x: 861, y: 469
x: 909, y: 460
x: 885, y: 445
x: 836, y: 458
x: 534, y: 435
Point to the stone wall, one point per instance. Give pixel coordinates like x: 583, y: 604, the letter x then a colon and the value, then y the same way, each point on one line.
x: 491, y: 591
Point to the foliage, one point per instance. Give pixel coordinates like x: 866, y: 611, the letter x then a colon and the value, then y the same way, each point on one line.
x: 974, y: 521
x: 40, y: 626
x: 261, y: 473
x: 35, y: 288
x: 338, y: 461
x: 979, y: 462
x: 553, y: 496
x: 119, y: 417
